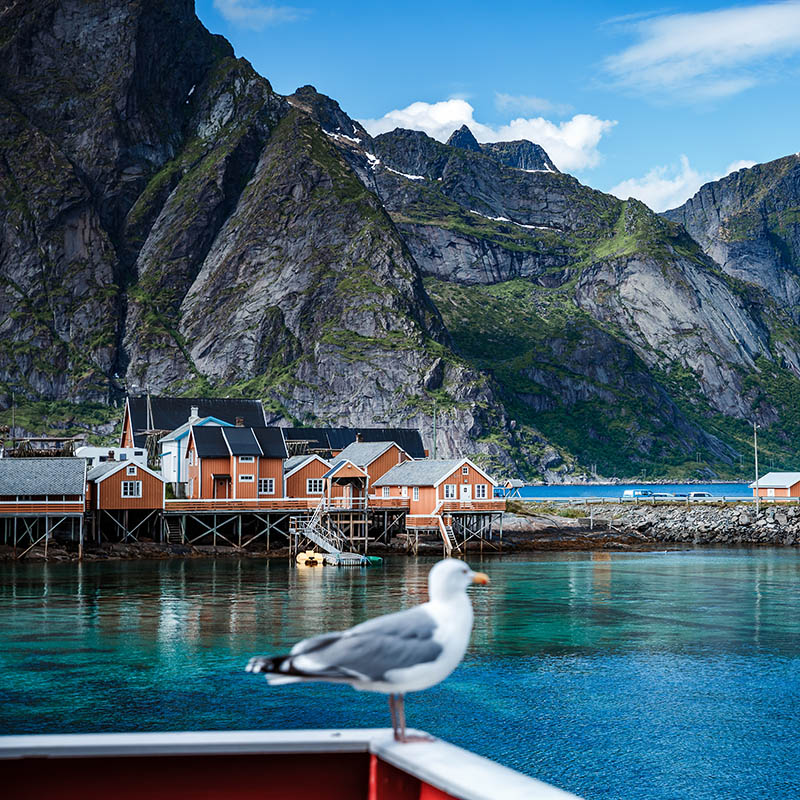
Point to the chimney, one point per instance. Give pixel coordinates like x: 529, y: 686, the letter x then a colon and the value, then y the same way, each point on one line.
x: 359, y: 438
x: 240, y: 422
x: 194, y: 414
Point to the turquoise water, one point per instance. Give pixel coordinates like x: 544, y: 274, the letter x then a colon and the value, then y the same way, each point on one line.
x: 656, y: 676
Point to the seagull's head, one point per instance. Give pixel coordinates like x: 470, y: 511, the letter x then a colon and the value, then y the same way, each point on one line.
x: 450, y: 577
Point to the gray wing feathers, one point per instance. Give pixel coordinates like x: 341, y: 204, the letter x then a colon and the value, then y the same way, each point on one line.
x: 371, y: 649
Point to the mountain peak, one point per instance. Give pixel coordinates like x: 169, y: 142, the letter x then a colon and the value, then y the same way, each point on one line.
x: 464, y: 139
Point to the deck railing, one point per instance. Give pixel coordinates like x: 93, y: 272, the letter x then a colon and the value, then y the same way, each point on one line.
x: 41, y: 507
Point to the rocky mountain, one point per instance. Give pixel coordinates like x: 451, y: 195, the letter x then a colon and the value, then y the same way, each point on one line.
x: 168, y: 222
x: 749, y: 223
x: 520, y: 155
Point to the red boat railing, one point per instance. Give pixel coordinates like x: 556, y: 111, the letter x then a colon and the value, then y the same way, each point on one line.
x: 354, y: 764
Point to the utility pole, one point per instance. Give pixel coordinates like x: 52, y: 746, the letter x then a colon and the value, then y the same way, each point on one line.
x: 434, y: 428
x: 13, y: 422
x: 755, y: 453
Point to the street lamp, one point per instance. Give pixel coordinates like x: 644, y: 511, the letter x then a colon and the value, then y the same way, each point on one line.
x: 755, y: 455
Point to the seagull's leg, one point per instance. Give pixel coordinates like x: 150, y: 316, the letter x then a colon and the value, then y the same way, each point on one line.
x: 401, y: 714
x: 393, y: 710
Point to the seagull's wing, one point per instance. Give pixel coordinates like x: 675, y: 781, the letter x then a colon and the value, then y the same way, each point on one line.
x: 363, y: 653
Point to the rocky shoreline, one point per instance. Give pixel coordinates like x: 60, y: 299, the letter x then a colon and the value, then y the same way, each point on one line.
x: 648, y: 525
x: 603, y: 526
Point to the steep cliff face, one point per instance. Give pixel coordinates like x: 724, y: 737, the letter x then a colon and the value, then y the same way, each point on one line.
x: 749, y: 223
x: 92, y: 100
x: 168, y: 222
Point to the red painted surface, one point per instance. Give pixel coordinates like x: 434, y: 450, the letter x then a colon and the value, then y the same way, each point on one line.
x: 389, y: 783
x: 311, y: 776
x: 250, y: 776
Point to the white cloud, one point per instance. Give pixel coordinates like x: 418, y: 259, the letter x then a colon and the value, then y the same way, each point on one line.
x: 572, y: 144
x: 529, y: 103
x: 707, y: 55
x: 669, y: 186
x: 257, y: 16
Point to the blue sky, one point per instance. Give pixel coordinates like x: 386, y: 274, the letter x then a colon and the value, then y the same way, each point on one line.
x: 649, y: 101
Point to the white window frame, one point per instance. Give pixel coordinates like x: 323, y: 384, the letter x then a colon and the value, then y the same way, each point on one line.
x: 247, y: 459
x: 465, y: 470
x: 415, y: 493
x: 481, y: 491
x: 404, y: 491
x: 247, y: 478
x: 385, y: 491
x: 268, y: 485
x: 450, y: 491
x: 134, y: 492
x: 131, y: 470
x: 313, y: 483
x: 191, y: 487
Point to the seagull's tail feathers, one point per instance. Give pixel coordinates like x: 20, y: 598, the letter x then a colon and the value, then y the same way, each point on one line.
x: 271, y: 667
x: 279, y: 670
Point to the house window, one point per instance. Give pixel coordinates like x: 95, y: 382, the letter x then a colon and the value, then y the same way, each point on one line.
x: 449, y: 491
x: 266, y: 485
x: 404, y: 491
x: 123, y: 456
x: 315, y: 485
x: 247, y: 478
x: 480, y: 491
x: 415, y: 493
x: 131, y: 488
x: 138, y: 452
x: 385, y: 491
x: 131, y: 470
x: 246, y: 459
x: 191, y: 487
x: 465, y: 470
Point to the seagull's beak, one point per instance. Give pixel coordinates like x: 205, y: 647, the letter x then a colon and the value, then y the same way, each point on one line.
x: 480, y: 577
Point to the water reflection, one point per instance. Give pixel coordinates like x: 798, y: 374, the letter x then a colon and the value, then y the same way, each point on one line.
x: 664, y: 665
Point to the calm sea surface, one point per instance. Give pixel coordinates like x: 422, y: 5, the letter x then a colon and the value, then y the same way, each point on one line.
x: 568, y: 491
x: 615, y: 676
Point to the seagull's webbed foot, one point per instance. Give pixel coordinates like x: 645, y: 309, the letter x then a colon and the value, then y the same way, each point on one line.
x: 398, y: 707
x: 408, y: 739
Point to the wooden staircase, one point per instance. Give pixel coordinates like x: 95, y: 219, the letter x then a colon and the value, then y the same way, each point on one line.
x: 172, y: 530
x: 329, y: 539
x: 448, y: 537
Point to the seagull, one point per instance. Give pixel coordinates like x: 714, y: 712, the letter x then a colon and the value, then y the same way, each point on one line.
x: 394, y: 654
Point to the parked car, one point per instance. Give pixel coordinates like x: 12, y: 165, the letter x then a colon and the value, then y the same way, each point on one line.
x: 700, y: 495
x: 637, y: 493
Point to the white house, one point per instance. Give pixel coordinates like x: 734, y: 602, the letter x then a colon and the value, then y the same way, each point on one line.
x: 174, y: 444
x: 99, y: 455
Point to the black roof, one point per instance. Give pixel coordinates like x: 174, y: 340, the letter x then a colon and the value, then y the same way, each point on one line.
x: 172, y: 412
x: 339, y: 438
x: 209, y: 441
x: 241, y: 441
x: 215, y: 441
x: 271, y: 442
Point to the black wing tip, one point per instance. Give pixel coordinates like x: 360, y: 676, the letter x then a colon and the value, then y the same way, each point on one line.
x: 264, y: 663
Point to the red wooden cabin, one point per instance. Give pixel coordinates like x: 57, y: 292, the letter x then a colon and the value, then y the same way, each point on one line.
x: 238, y: 463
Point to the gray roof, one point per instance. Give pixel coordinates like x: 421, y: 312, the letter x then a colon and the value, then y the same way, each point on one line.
x: 101, y: 469
x: 419, y: 473
x: 41, y: 476
x: 363, y: 453
x: 296, y: 461
x: 777, y: 480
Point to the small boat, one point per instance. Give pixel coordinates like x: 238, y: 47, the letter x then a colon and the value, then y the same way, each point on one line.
x: 348, y: 764
x: 309, y: 558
